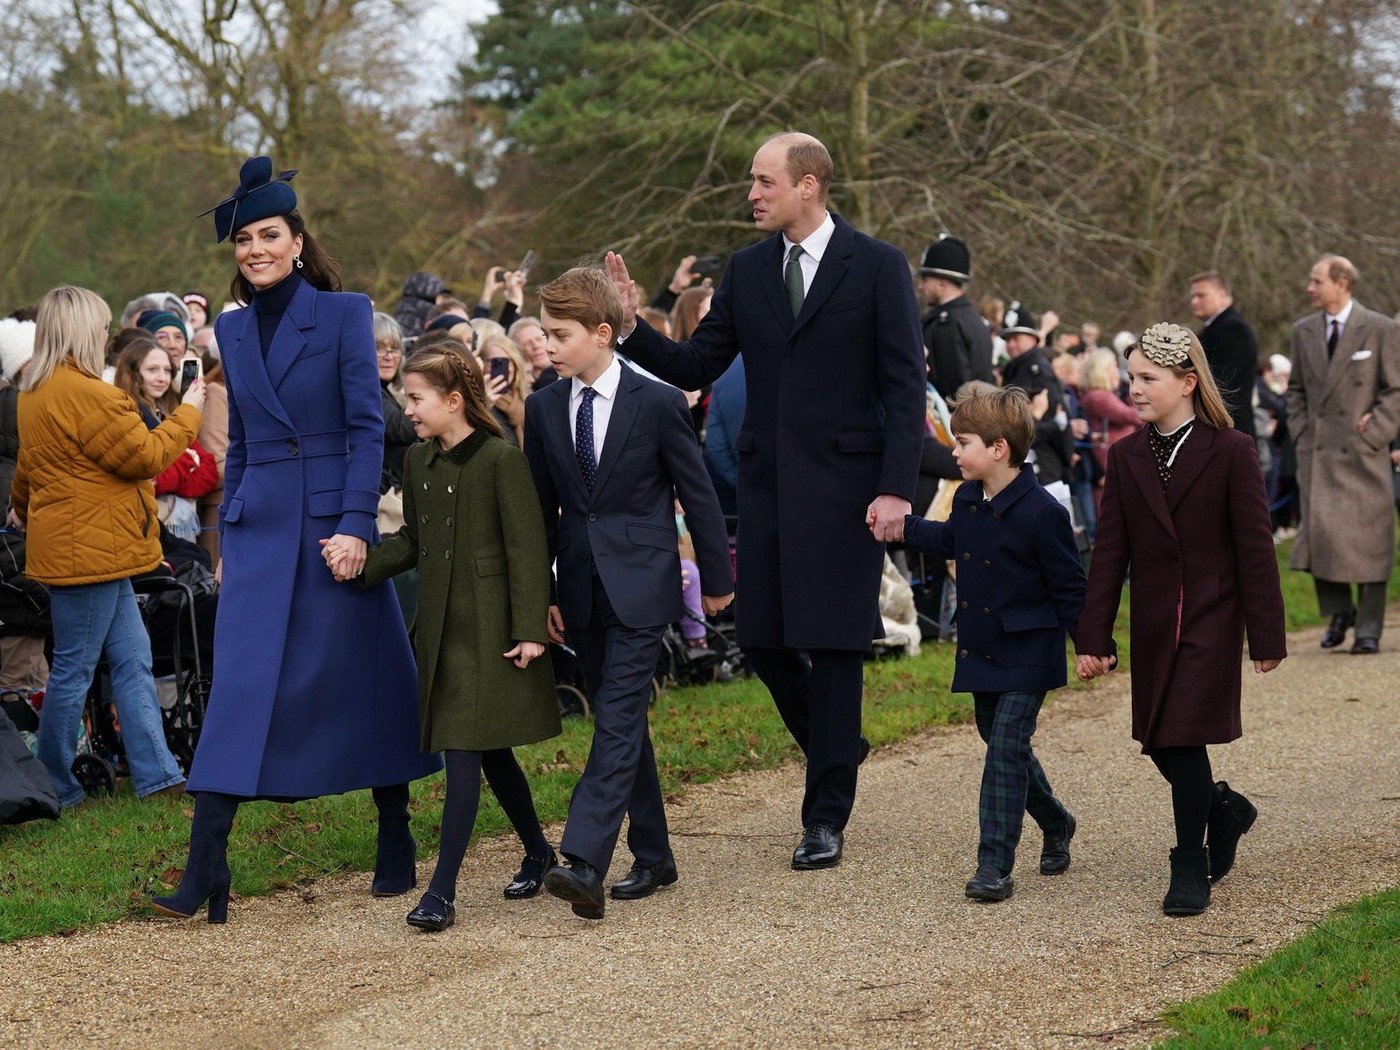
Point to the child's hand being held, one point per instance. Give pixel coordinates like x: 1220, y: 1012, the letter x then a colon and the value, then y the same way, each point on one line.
x: 1090, y: 667
x: 1265, y: 666
x: 524, y: 652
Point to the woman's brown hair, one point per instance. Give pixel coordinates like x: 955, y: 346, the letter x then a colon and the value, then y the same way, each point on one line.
x: 447, y: 365
x: 685, y: 315
x: 128, y: 376
x: 317, y: 268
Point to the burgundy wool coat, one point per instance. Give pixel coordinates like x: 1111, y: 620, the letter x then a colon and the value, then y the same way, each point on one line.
x: 1203, y: 571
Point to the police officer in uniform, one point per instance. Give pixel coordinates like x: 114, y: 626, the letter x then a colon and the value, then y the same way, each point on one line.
x: 1052, y: 454
x: 959, y: 344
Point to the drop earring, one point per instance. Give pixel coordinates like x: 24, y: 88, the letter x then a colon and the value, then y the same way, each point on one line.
x: 297, y: 259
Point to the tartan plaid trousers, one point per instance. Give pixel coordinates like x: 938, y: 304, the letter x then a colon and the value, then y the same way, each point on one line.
x: 1013, y: 783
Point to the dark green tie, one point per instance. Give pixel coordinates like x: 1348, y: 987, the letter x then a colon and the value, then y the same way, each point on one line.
x: 792, y: 279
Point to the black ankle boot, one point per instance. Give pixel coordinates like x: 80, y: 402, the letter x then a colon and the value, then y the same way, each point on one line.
x: 1231, y: 815
x: 395, y: 851
x: 1189, y: 893
x: 206, y: 876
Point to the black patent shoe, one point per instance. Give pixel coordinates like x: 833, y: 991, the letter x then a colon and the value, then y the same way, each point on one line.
x: 433, y: 913
x: 644, y: 880
x: 1336, y: 632
x: 989, y: 885
x: 530, y: 877
x: 820, y: 848
x: 1054, y: 857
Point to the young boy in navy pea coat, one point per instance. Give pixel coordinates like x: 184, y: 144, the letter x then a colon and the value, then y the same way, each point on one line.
x: 1020, y: 589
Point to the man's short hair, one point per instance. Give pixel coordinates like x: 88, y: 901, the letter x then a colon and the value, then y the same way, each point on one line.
x: 1339, y: 269
x: 446, y: 305
x: 996, y: 415
x: 1214, y: 277
x: 522, y: 323
x: 587, y: 295
x: 806, y: 156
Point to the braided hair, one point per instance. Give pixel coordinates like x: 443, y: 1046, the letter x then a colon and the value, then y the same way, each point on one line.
x: 446, y: 365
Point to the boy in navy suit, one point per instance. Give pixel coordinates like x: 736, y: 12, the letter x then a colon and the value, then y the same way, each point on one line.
x: 1020, y: 589
x: 611, y: 453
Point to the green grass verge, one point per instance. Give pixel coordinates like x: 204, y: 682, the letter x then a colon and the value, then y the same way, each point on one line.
x: 1337, y: 987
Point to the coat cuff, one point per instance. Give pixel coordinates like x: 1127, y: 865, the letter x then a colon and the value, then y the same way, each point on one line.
x: 356, y: 523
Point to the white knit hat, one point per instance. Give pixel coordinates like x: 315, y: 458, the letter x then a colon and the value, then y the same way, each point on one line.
x: 16, y: 346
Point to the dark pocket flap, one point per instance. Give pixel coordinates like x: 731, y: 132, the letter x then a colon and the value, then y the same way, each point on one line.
x: 860, y: 441
x: 491, y: 565
x: 743, y: 441
x: 235, y: 509
x: 651, y: 536
x: 324, y: 504
x: 1029, y: 620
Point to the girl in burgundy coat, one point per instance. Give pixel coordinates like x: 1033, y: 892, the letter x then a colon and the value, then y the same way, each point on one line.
x: 1184, y: 506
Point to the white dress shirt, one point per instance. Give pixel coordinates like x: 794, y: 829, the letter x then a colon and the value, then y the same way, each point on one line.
x: 1341, y: 317
x: 606, y: 386
x: 813, y: 248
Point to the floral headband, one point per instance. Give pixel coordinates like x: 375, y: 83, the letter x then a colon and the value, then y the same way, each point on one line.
x: 1166, y: 344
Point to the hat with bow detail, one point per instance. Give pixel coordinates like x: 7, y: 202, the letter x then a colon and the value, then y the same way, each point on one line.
x: 259, y: 196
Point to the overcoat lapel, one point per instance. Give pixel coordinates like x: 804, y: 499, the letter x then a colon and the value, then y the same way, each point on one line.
x: 829, y: 273
x: 1144, y: 471
x: 288, y: 342
x: 247, y: 352
x: 1353, y: 335
x: 624, y: 412
x: 1189, y: 463
x: 771, y: 270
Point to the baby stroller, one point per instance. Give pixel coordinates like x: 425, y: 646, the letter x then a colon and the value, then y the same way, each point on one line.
x: 719, y: 660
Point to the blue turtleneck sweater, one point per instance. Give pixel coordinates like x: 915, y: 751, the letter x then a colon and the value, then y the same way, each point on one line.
x: 270, y: 304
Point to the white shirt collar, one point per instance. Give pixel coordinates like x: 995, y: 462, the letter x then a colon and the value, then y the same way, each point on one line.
x: 1342, y: 315
x: 605, y: 385
x: 816, y: 242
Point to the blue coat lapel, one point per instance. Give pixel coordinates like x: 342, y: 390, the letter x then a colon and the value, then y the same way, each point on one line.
x: 624, y: 411
x: 288, y: 342
x: 772, y: 270
x: 246, y: 352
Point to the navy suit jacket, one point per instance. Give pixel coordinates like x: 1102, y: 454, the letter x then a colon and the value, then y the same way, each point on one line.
x: 1020, y: 584
x: 626, y: 526
x: 834, y: 418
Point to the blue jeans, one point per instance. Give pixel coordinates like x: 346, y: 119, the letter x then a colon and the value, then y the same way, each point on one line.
x: 88, y: 621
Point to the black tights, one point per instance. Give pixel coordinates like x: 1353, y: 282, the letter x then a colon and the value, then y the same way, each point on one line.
x: 1187, y: 770
x: 512, y: 790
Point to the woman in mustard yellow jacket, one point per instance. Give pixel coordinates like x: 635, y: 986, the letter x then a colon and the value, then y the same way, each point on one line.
x: 82, y: 490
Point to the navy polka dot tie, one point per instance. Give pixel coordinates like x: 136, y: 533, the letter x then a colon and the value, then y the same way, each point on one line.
x: 583, y: 439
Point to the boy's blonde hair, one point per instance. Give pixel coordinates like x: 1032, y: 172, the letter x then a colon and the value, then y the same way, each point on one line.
x: 71, y: 323
x: 587, y: 295
x: 997, y: 415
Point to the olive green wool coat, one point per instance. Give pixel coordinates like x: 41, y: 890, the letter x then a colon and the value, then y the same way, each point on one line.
x: 473, y: 527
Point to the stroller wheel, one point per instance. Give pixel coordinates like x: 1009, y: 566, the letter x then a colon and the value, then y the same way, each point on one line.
x: 95, y: 775
x: 572, y: 702
x: 656, y: 688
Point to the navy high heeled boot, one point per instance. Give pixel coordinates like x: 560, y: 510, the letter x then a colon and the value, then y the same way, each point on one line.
x: 206, y: 876
x: 396, y: 853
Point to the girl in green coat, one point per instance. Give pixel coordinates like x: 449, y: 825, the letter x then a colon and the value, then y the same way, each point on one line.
x: 473, y: 528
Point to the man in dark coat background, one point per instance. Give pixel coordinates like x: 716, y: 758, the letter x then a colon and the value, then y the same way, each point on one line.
x: 959, y: 345
x: 826, y: 320
x: 1230, y: 346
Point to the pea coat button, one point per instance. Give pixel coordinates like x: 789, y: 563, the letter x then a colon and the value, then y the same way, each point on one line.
x: 986, y: 565
x: 449, y: 521
x: 592, y: 517
x: 962, y: 654
x: 962, y: 605
x: 451, y: 489
x: 966, y: 556
x: 972, y: 510
x: 447, y: 555
x: 425, y: 520
x: 424, y: 552
x: 987, y: 657
x: 986, y: 611
x: 425, y: 486
x: 293, y: 448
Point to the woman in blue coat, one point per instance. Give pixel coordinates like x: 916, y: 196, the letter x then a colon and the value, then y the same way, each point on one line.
x: 315, y: 690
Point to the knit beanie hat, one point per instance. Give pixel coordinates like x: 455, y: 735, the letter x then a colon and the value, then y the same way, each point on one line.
x: 154, y: 322
x: 16, y: 346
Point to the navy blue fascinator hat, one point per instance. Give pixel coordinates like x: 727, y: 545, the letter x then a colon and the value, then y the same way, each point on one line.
x: 259, y: 196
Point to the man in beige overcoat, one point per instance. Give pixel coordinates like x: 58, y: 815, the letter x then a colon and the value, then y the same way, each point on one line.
x: 1343, y: 411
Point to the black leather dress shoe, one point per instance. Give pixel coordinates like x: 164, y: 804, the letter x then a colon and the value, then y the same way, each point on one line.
x: 580, y: 885
x: 989, y: 885
x: 820, y: 848
x: 1054, y: 856
x: 1336, y: 632
x: 530, y: 877
x: 433, y: 913
x: 864, y: 750
x: 1365, y: 647
x: 644, y: 880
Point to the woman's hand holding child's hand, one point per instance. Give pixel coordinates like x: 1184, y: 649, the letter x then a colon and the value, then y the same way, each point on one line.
x: 1091, y: 667
x: 524, y: 652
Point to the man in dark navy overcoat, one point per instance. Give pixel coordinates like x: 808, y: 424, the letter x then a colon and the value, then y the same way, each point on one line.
x: 828, y: 326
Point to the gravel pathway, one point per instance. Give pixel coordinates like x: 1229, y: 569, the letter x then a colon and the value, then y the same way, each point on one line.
x: 744, y: 951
